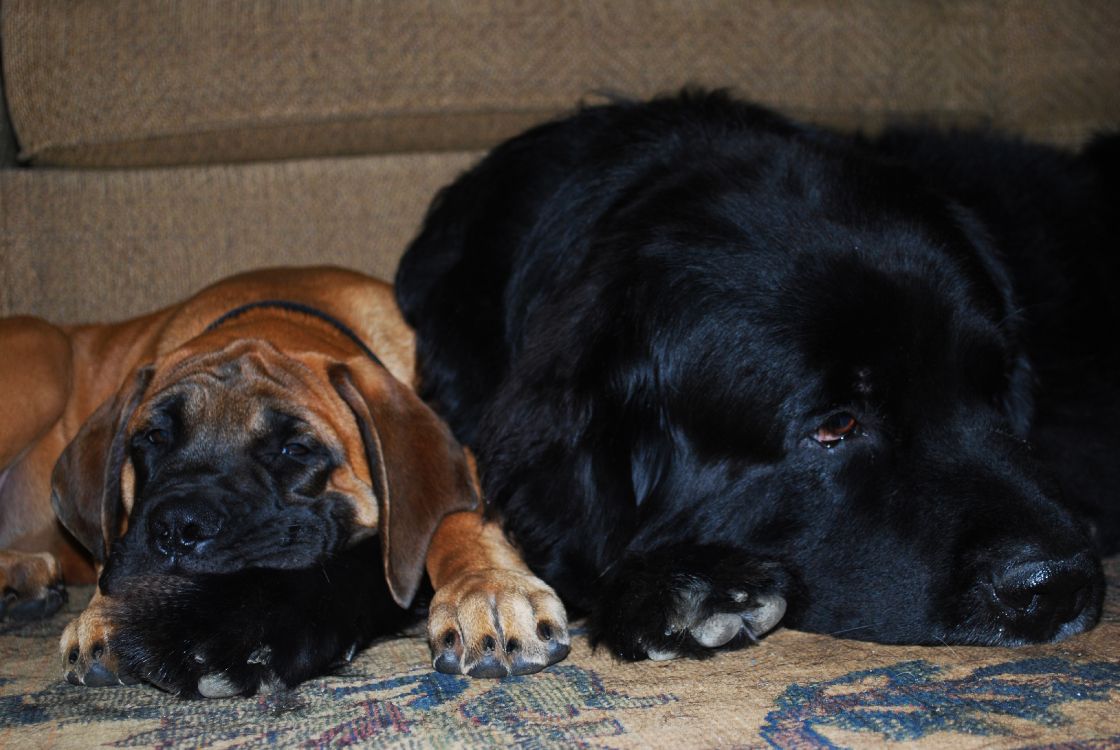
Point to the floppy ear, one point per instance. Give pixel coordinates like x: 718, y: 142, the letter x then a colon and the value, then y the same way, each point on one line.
x: 86, y: 482
x: 420, y: 473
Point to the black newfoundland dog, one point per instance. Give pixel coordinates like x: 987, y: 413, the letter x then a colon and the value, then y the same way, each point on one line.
x: 715, y: 364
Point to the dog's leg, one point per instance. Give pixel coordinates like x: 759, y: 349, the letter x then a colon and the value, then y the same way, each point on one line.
x: 490, y: 616
x: 84, y: 647
x: 686, y: 600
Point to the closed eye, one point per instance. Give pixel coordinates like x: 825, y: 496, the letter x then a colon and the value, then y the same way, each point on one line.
x: 290, y: 439
x: 299, y: 449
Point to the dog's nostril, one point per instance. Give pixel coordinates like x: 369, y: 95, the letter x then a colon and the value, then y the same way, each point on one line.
x: 1021, y: 599
x: 192, y: 534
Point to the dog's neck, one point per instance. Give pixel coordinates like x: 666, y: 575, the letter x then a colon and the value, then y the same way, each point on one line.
x: 297, y: 307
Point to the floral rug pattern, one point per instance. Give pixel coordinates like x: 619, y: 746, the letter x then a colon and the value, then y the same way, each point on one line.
x: 794, y: 690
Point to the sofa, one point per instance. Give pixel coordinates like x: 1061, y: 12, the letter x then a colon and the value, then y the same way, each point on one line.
x: 149, y: 147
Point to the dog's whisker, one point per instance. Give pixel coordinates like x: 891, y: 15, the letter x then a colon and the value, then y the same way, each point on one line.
x: 851, y: 630
x: 951, y: 650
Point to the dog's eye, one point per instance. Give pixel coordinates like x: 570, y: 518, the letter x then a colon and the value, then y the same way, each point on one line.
x: 295, y: 450
x: 157, y: 436
x: 837, y: 427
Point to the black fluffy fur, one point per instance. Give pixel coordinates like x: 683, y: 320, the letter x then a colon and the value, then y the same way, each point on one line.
x: 640, y: 317
x: 258, y: 628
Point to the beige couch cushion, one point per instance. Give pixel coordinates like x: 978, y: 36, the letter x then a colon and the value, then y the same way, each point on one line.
x: 81, y: 245
x: 133, y: 82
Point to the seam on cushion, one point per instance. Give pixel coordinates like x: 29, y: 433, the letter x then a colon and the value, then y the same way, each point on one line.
x: 279, y: 124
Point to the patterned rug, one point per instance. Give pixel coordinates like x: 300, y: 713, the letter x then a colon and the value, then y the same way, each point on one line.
x: 792, y: 690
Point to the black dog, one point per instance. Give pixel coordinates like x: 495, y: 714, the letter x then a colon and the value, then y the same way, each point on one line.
x: 707, y: 356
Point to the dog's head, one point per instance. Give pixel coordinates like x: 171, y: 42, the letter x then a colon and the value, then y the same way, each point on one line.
x: 818, y: 360
x: 231, y: 453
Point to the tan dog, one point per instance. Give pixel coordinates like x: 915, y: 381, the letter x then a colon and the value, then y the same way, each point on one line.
x: 233, y: 466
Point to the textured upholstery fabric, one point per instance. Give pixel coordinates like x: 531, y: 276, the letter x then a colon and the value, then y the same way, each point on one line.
x: 793, y: 690
x: 7, y: 135
x: 134, y: 82
x: 81, y: 245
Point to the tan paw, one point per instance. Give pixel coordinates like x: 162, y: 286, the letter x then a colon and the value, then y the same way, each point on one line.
x: 30, y: 585
x: 84, y: 648
x: 496, y: 622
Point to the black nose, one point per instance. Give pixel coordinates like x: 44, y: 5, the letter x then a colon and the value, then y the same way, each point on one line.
x: 182, y: 525
x: 1038, y: 596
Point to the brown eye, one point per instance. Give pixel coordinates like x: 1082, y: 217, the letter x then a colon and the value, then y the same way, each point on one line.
x: 157, y: 436
x: 834, y: 429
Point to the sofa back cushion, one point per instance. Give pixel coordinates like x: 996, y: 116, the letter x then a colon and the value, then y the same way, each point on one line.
x: 80, y: 245
x: 137, y: 82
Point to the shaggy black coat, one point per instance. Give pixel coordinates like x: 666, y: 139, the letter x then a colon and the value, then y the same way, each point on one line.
x: 706, y: 355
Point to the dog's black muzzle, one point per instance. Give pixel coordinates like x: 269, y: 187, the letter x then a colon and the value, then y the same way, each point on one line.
x: 184, y: 524
x: 190, y: 528
x: 1034, y: 575
x: 1037, y: 597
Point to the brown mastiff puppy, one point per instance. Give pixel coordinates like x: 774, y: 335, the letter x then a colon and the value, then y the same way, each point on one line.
x: 239, y: 469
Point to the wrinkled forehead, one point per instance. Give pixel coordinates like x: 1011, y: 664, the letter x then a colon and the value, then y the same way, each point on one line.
x: 242, y: 387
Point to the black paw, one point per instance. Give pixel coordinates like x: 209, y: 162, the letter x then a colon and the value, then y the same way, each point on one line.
x: 687, y: 601
x: 166, y: 634
x: 254, y: 630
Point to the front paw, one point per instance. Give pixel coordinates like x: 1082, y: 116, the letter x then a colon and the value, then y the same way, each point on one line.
x: 496, y: 622
x: 196, y: 670
x: 87, y: 658
x: 191, y: 639
x: 251, y: 631
x: 687, y: 602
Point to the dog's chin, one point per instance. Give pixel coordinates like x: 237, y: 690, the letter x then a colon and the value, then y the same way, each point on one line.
x: 970, y: 619
x: 278, y: 558
x: 124, y: 566
x: 986, y: 627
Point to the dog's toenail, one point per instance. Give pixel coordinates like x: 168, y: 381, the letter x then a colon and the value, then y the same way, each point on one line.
x: 489, y: 667
x: 217, y: 685
x: 263, y: 654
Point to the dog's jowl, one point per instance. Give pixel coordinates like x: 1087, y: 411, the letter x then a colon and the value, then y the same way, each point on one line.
x: 719, y: 365
x: 260, y: 491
